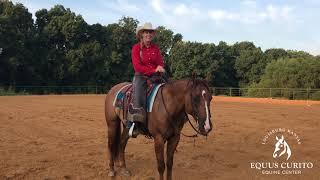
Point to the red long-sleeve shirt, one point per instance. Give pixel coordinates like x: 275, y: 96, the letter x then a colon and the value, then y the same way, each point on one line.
x: 151, y: 58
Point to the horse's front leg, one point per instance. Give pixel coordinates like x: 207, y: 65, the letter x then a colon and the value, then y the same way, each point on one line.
x: 159, y: 149
x: 171, y: 147
x: 121, y: 158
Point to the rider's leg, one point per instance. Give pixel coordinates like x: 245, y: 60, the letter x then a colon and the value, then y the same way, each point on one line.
x: 138, y: 110
x: 139, y: 100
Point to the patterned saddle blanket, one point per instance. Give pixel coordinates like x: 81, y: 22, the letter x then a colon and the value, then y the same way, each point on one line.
x: 124, y: 96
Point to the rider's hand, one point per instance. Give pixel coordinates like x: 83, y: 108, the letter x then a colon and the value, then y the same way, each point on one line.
x: 160, y: 69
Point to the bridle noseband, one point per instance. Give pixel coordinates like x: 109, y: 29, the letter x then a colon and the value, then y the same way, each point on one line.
x: 193, y: 114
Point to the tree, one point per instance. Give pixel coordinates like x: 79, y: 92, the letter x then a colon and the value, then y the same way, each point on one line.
x: 298, y: 54
x: 225, y: 75
x: 250, y: 63
x: 292, y: 73
x: 60, y: 48
x: 166, y: 39
x: 274, y: 54
x: 16, y: 32
x: 215, y: 63
x: 87, y: 64
x: 121, y: 41
x: 59, y: 31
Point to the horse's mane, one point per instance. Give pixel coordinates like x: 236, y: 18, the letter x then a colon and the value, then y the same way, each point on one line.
x: 198, y: 82
x: 193, y: 82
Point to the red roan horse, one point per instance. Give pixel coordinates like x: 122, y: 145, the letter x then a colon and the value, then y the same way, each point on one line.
x: 173, y: 102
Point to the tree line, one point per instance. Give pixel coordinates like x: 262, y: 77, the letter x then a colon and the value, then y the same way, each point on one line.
x: 60, y: 48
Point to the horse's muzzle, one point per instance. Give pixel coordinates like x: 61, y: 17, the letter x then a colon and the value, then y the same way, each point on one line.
x: 205, y: 130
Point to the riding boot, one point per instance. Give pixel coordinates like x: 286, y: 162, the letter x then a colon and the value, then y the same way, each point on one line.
x: 137, y: 110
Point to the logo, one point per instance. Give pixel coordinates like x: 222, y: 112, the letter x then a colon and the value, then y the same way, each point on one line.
x: 282, y: 161
x: 281, y: 148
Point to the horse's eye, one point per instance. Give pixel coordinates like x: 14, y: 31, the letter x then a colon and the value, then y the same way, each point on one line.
x: 197, y: 99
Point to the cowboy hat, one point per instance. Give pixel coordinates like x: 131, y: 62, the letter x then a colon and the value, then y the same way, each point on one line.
x: 146, y: 26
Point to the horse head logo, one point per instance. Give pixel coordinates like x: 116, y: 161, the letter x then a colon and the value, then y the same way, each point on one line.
x: 281, y: 147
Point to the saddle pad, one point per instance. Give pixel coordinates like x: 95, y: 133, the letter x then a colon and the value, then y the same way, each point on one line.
x: 124, y: 95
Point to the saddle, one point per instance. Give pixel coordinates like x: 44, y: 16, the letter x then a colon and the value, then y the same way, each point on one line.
x: 124, y: 97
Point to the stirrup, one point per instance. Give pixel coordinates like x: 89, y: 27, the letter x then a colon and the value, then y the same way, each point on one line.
x: 131, y: 129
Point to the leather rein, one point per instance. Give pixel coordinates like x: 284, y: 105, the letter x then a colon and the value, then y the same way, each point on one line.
x: 165, y: 107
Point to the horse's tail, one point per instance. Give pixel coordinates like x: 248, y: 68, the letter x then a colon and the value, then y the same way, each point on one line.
x: 114, y: 127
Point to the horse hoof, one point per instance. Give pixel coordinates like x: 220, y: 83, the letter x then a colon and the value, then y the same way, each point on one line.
x: 111, y: 173
x: 125, y: 172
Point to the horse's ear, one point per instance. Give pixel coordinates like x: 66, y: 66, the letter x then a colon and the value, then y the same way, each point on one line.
x: 277, y: 138
x: 194, y: 74
x: 207, y: 79
x: 282, y: 138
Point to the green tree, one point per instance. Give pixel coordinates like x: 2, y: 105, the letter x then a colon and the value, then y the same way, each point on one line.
x: 215, y: 63
x: 250, y: 63
x: 120, y: 43
x: 60, y: 48
x: 16, y: 41
x: 274, y: 54
x: 225, y: 75
x: 292, y: 73
x: 59, y: 31
x: 166, y: 39
x: 298, y: 54
x: 87, y: 64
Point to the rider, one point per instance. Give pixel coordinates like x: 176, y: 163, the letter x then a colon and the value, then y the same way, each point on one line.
x: 147, y: 61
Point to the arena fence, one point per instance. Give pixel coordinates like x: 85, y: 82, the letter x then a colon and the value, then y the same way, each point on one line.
x: 287, y: 93
x: 45, y: 90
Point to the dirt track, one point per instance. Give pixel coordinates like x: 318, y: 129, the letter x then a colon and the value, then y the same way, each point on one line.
x: 63, y: 137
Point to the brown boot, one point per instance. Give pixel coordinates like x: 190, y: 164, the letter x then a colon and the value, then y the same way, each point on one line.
x: 136, y: 114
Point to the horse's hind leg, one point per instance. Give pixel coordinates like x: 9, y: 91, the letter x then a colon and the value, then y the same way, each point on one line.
x: 122, y: 162
x: 114, y: 131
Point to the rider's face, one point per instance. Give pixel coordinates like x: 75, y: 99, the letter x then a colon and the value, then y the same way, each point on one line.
x: 147, y: 35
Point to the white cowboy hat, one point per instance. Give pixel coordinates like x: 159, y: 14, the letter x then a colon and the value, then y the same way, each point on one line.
x: 146, y: 26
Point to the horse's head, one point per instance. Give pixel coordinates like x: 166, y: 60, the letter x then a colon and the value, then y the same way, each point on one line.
x: 281, y: 147
x: 198, y: 105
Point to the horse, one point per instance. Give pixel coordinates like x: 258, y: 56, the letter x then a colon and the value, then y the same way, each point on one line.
x: 281, y: 144
x: 173, y: 102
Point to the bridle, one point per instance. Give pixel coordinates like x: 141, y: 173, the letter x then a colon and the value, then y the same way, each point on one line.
x: 193, y: 114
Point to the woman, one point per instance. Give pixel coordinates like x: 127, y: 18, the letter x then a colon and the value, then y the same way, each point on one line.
x: 147, y: 61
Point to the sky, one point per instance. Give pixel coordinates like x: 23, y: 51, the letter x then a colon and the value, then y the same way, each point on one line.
x: 288, y: 24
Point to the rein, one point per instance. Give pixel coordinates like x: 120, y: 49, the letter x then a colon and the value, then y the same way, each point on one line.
x: 165, y: 107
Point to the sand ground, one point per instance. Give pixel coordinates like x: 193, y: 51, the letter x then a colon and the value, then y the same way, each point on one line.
x: 64, y: 137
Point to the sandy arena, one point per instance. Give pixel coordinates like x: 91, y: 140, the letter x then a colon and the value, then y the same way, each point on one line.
x: 64, y: 137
